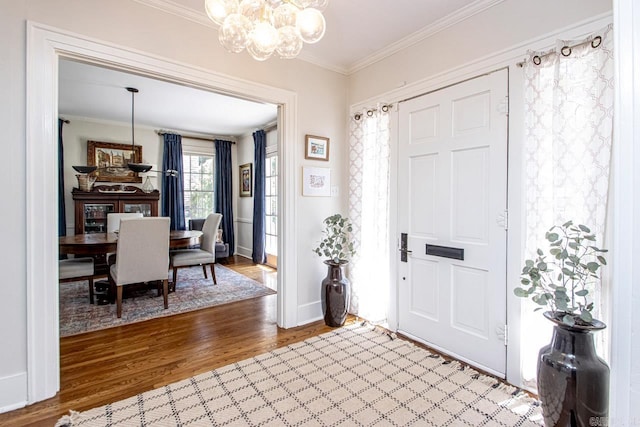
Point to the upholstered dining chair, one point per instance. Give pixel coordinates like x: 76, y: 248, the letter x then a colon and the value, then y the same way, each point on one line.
x: 222, y: 249
x: 113, y: 220
x: 113, y: 225
x: 204, y: 256
x: 76, y: 269
x: 142, y: 255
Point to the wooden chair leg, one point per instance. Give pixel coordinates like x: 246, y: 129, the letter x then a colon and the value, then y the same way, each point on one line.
x: 112, y: 290
x: 204, y: 270
x: 119, y: 301
x: 91, y: 298
x: 165, y: 293
x: 213, y: 273
x: 175, y: 278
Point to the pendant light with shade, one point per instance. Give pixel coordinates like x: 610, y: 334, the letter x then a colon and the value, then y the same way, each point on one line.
x: 137, y: 167
x: 134, y: 166
x: 140, y: 167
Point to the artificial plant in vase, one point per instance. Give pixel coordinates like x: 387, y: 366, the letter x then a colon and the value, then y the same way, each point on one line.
x: 573, y: 382
x: 337, y: 247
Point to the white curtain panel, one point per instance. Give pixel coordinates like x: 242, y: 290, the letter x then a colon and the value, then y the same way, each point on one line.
x: 567, y: 155
x: 369, y: 270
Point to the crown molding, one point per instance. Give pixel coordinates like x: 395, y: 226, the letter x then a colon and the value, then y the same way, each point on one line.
x: 426, y: 32
x: 199, y: 17
x: 176, y: 9
x: 466, y: 12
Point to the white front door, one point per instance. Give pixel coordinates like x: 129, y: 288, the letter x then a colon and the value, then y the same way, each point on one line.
x: 452, y: 191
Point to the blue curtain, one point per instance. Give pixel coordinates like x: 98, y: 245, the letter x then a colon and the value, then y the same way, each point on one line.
x: 259, y: 159
x: 224, y: 191
x: 173, y: 186
x: 62, y: 222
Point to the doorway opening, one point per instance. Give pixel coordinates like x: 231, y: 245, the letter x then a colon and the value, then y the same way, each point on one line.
x: 46, y: 47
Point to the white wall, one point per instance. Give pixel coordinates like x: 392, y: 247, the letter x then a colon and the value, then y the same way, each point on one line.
x: 625, y: 319
x: 321, y: 101
x: 501, y: 27
x: 80, y: 130
x: 244, y: 213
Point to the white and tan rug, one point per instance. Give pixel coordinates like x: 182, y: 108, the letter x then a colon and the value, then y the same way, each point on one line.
x: 353, y: 376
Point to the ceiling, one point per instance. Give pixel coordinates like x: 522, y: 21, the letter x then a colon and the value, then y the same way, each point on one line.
x: 100, y: 93
x: 359, y: 32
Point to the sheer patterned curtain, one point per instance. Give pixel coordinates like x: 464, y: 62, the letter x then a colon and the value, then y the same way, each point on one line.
x: 369, y: 210
x: 567, y: 154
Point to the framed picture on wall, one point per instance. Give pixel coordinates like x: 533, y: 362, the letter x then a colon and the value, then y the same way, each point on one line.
x: 246, y: 180
x: 316, y: 147
x: 316, y: 182
x: 112, y: 159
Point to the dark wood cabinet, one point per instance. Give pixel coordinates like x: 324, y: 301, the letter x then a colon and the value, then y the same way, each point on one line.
x: 92, y: 207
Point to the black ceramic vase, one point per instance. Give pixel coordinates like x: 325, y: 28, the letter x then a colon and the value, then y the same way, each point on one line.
x: 573, y: 382
x: 336, y: 294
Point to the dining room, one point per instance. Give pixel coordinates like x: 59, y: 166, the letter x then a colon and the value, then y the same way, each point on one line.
x: 101, y: 141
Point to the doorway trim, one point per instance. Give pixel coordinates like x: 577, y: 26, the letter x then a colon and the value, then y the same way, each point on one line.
x: 45, y: 45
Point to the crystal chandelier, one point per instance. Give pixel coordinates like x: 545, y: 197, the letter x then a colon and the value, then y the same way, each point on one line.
x: 265, y: 27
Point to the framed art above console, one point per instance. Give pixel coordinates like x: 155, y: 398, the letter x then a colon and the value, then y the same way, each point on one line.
x: 112, y: 159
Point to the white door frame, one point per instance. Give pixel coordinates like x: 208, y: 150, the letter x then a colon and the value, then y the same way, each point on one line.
x: 45, y: 45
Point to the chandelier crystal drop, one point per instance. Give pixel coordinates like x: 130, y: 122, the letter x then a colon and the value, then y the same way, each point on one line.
x: 267, y: 27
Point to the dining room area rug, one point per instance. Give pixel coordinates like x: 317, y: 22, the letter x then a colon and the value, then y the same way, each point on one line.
x: 357, y: 375
x: 192, y: 292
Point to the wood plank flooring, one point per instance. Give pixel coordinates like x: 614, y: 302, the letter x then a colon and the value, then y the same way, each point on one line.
x: 108, y: 365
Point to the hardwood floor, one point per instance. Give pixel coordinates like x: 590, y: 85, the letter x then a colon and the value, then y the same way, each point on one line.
x: 108, y: 365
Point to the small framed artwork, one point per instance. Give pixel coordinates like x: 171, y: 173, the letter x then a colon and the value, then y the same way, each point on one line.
x: 112, y: 159
x: 246, y: 180
x: 316, y: 147
x: 316, y: 182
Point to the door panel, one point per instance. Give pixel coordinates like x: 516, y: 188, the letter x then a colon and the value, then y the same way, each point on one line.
x: 469, y: 193
x: 452, y: 188
x: 423, y: 169
x: 424, y: 297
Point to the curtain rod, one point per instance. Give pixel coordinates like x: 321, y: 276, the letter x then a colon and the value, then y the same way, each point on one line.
x: 65, y: 120
x: 191, y: 136
x: 369, y: 111
x: 565, y: 51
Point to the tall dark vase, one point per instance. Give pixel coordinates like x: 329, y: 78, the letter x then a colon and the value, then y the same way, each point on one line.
x: 573, y: 382
x: 336, y: 294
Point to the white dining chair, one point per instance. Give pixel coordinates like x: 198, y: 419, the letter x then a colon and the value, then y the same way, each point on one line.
x: 76, y: 269
x: 142, y: 255
x: 113, y: 225
x: 205, y: 255
x: 113, y: 220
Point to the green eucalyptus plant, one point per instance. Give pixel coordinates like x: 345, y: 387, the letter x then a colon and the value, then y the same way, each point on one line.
x: 336, y: 245
x: 561, y: 278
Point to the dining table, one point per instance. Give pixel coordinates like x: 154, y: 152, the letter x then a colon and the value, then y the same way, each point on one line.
x: 104, y: 243
x: 98, y: 245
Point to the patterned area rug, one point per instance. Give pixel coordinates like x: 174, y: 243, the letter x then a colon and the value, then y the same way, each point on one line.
x: 353, y: 376
x: 193, y: 292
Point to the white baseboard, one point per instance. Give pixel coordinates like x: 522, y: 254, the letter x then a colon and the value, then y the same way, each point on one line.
x: 310, y: 312
x: 245, y: 252
x: 13, y: 392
